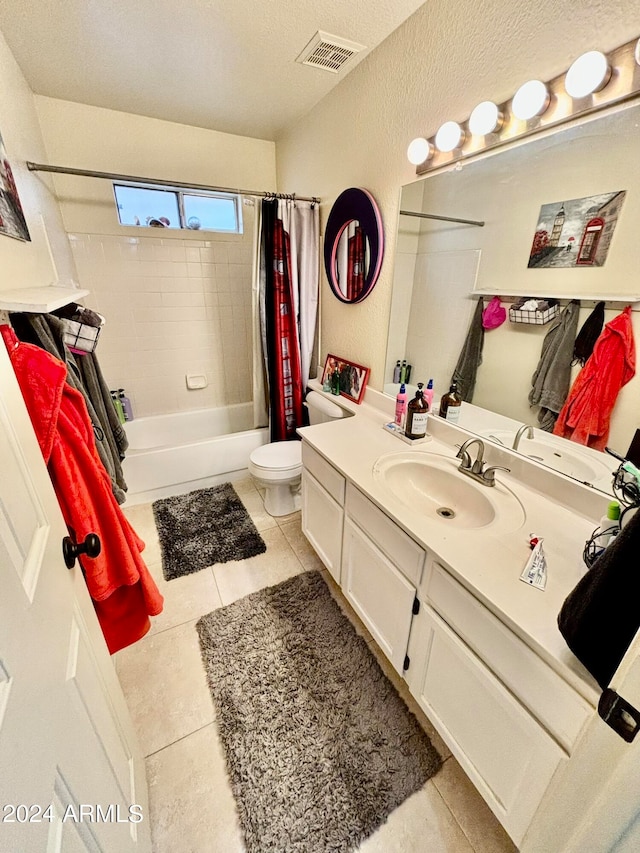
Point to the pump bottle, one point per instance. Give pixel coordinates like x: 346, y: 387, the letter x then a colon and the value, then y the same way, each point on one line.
x: 450, y: 404
x: 417, y: 415
x: 125, y: 402
x: 118, y: 407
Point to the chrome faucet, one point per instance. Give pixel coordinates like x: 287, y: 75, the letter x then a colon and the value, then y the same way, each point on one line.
x: 524, y: 428
x: 475, y: 470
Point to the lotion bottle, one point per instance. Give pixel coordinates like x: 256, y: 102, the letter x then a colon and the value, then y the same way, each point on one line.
x: 428, y: 394
x: 396, y: 373
x: 401, y: 405
x: 118, y: 407
x: 125, y: 402
x: 417, y: 415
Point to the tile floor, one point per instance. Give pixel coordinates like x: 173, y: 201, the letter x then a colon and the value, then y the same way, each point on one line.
x: 191, y: 806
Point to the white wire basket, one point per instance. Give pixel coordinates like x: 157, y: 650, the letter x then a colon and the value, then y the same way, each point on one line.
x: 533, y: 318
x: 80, y: 336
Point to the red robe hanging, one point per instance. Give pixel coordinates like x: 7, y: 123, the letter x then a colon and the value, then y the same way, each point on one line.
x: 124, y: 593
x: 586, y: 413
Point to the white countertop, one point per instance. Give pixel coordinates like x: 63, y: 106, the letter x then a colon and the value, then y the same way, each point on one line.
x: 487, y: 563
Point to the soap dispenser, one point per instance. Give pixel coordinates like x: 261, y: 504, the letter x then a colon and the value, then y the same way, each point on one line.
x: 417, y: 415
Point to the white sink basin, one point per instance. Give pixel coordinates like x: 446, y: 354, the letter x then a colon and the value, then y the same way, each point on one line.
x: 557, y: 453
x: 432, y: 486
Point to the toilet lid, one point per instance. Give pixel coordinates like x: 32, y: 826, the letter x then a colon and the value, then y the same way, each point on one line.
x: 278, y: 455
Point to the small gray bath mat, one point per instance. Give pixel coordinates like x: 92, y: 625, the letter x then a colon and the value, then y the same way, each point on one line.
x: 320, y: 748
x: 202, y: 528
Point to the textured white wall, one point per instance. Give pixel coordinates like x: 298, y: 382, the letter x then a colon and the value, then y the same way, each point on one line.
x: 86, y: 137
x: 176, y: 302
x: 437, y: 66
x: 28, y: 264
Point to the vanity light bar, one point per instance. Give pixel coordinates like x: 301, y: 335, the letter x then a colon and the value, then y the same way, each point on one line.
x: 593, y: 82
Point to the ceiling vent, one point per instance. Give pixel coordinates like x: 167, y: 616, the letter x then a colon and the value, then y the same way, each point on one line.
x: 328, y: 52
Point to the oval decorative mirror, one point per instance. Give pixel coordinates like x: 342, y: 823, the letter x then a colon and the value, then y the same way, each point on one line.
x: 353, y: 245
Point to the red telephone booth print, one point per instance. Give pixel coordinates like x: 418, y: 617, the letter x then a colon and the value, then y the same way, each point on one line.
x: 590, y: 239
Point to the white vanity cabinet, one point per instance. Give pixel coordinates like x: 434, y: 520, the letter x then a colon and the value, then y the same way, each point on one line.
x: 504, y: 751
x: 377, y: 565
x: 323, y: 492
x: 381, y: 569
x: 509, y: 718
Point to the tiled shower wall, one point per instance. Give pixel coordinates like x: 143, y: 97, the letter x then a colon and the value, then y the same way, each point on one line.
x: 173, y: 306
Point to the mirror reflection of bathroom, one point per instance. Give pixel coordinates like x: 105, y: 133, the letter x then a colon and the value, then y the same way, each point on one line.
x: 443, y: 268
x: 352, y: 260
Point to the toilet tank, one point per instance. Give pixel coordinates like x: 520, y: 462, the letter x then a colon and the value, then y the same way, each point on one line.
x: 322, y: 410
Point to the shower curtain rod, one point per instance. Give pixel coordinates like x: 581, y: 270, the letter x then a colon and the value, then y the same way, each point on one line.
x: 442, y: 218
x: 112, y: 176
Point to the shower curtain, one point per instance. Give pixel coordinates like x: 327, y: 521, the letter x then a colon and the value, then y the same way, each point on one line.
x: 286, y: 304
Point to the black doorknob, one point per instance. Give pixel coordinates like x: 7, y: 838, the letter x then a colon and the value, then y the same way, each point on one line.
x: 91, y: 547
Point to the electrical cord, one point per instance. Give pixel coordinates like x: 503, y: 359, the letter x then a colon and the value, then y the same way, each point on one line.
x: 626, y: 489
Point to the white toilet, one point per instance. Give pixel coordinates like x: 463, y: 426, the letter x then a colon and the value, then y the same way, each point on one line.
x: 277, y: 467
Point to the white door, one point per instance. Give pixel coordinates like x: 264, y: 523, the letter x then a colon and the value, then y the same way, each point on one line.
x: 71, y: 772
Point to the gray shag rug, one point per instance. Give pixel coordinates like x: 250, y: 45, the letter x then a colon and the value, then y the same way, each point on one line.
x: 320, y: 747
x: 202, y: 528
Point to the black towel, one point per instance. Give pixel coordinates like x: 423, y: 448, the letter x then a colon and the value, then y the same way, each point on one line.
x: 588, y: 335
x: 601, y: 615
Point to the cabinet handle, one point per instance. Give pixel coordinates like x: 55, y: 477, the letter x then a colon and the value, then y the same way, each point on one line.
x: 623, y: 718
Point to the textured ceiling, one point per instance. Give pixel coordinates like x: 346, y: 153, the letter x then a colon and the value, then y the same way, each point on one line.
x: 219, y: 64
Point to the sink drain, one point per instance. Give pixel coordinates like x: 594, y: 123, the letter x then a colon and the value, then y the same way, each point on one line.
x: 445, y: 512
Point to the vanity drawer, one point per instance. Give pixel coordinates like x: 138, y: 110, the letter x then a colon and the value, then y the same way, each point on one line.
x: 406, y: 554
x: 324, y: 473
x: 560, y: 709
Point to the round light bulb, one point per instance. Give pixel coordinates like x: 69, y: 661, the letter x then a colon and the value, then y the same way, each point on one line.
x: 485, y: 118
x: 419, y: 150
x: 531, y: 99
x: 449, y: 136
x: 589, y: 73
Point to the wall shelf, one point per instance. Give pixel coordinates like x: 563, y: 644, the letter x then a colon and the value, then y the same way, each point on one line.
x: 591, y: 297
x: 39, y: 299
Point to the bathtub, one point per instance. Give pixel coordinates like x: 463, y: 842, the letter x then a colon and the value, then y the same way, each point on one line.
x: 199, y: 448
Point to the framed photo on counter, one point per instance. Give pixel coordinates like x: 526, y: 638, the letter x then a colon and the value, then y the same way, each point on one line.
x: 345, y: 377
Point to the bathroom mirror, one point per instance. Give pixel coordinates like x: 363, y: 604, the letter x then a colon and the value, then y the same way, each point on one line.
x: 442, y: 268
x: 353, y: 245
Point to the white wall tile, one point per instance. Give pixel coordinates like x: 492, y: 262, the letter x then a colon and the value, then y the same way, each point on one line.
x: 172, y: 307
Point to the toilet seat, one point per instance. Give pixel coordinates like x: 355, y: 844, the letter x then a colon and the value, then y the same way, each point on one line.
x: 278, y: 460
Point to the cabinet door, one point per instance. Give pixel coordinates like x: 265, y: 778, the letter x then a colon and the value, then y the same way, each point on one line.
x: 508, y: 756
x: 379, y: 593
x: 322, y: 523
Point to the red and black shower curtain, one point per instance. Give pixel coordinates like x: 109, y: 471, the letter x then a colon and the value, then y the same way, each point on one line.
x: 282, y: 339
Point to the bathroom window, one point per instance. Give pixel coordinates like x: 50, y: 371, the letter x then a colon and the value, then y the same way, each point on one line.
x: 151, y: 207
